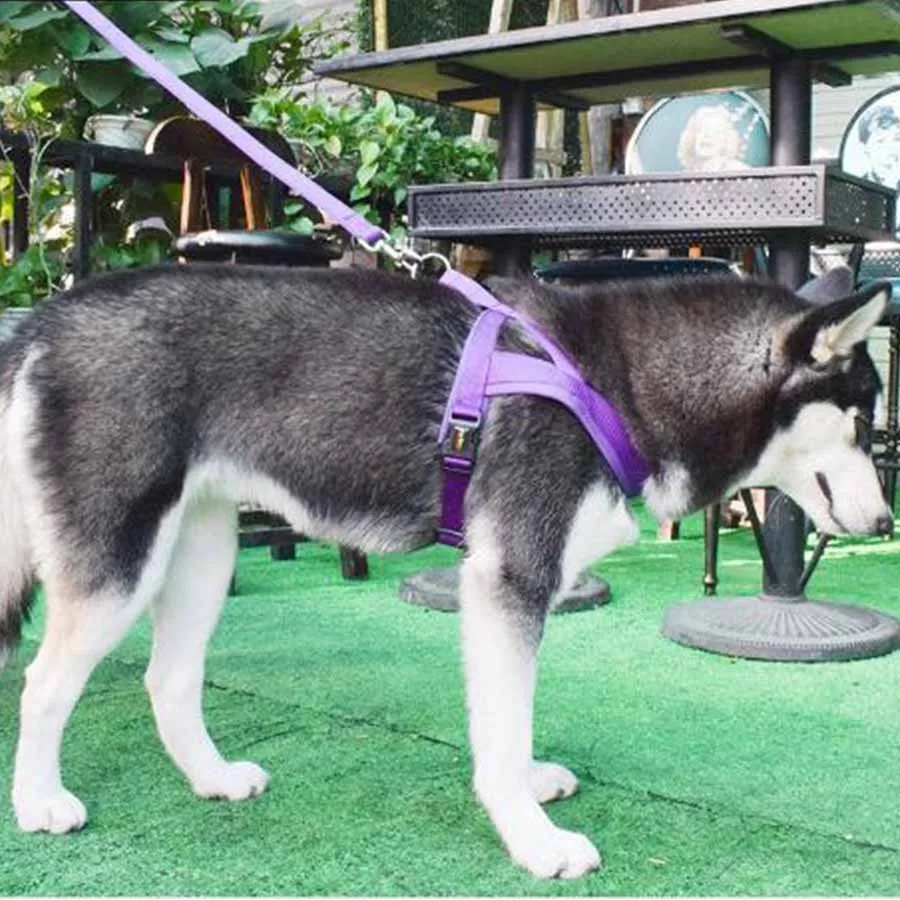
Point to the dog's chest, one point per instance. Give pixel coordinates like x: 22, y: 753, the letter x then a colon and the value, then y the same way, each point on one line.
x: 601, y: 523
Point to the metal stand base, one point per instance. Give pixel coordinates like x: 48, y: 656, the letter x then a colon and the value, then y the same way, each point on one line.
x: 439, y: 589
x: 770, y: 628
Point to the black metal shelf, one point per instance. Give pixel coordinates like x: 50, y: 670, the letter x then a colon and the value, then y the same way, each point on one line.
x: 742, y: 207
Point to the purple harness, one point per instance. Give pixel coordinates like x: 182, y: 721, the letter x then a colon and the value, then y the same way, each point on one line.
x: 484, y: 371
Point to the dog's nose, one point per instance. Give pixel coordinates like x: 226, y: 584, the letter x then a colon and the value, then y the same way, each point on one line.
x: 884, y: 524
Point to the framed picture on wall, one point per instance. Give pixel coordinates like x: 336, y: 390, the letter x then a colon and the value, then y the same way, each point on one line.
x: 870, y: 147
x: 718, y: 131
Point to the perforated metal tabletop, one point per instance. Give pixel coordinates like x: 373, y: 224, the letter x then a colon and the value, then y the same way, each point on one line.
x: 659, y: 210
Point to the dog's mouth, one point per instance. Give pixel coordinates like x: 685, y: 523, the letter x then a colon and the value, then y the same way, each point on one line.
x: 825, y: 488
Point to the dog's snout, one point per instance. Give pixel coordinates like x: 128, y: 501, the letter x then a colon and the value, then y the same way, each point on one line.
x: 884, y: 524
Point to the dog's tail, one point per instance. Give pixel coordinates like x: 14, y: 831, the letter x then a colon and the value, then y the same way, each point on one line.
x: 16, y: 572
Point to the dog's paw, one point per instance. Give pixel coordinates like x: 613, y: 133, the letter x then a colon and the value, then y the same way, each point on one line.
x: 233, y: 781
x: 556, y: 854
x: 56, y: 813
x: 550, y: 781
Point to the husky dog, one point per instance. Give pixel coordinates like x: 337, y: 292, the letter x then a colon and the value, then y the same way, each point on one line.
x: 138, y: 409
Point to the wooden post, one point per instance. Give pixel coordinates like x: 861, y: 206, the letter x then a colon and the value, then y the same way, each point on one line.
x: 597, y: 121
x: 380, y: 17
x: 501, y: 10
x: 551, y: 122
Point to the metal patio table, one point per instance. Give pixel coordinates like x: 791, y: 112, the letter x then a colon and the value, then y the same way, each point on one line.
x: 782, y: 44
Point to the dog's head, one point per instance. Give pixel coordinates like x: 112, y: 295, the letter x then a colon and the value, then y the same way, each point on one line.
x: 818, y: 452
x: 730, y: 383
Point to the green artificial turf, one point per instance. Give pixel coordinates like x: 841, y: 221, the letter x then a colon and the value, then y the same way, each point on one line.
x: 701, y: 775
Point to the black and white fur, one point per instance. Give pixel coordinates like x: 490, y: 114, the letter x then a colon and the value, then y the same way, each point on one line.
x: 138, y: 409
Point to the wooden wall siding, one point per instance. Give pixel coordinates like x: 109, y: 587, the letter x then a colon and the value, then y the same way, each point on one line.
x: 337, y: 90
x: 834, y: 107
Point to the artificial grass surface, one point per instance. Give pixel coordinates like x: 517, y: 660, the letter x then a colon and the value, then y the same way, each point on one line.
x: 701, y: 775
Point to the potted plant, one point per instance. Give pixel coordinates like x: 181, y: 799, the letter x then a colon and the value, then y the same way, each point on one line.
x: 369, y: 153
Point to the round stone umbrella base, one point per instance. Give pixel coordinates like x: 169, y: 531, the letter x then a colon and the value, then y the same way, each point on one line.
x: 765, y: 627
x: 439, y: 589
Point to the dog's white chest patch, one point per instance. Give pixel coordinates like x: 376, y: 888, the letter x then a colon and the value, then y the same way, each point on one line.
x: 601, y: 523
x: 668, y: 494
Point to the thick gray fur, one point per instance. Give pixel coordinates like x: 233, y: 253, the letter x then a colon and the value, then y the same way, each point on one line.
x: 332, y: 383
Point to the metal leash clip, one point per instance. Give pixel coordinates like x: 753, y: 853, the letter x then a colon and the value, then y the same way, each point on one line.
x: 404, y: 255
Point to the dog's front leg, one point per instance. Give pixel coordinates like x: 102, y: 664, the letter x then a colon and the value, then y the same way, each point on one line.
x: 501, y: 633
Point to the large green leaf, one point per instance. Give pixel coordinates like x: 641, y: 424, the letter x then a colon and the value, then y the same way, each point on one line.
x: 74, y: 39
x: 35, y: 18
x: 176, y: 57
x: 174, y: 35
x: 12, y: 8
x: 364, y: 174
x: 215, y: 48
x: 50, y: 76
x: 104, y: 53
x: 133, y: 15
x: 369, y: 151
x: 99, y: 84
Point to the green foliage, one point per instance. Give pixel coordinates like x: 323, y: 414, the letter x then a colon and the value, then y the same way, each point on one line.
x: 35, y: 274
x: 24, y: 107
x: 61, y: 72
x: 225, y: 49
x: 380, y: 150
x: 43, y: 268
x: 147, y: 250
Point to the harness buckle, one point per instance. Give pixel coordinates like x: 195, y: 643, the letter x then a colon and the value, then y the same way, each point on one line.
x: 461, y: 442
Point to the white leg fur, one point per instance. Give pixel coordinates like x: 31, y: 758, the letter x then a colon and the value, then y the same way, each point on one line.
x: 500, y: 663
x: 184, y: 618
x: 78, y: 635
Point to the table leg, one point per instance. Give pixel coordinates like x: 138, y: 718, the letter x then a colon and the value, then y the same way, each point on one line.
x: 518, y: 112
x: 785, y: 525
x: 781, y: 624
x: 83, y: 197
x: 21, y: 230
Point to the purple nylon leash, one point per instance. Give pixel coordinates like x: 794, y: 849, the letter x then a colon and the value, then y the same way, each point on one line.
x: 483, y: 371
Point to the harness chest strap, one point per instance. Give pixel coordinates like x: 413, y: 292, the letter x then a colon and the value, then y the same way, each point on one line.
x: 486, y: 372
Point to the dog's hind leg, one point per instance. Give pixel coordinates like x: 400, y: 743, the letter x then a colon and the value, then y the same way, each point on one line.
x: 184, y: 618
x: 79, y: 632
x: 501, y: 635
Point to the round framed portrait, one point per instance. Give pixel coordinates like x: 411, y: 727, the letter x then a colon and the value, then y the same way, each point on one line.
x: 871, y: 144
x: 719, y: 131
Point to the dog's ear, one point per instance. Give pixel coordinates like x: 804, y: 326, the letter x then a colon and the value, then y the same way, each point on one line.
x: 832, y: 330
x: 835, y: 284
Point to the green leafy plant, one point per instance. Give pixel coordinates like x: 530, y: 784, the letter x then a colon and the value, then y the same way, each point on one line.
x: 224, y: 48
x: 44, y: 267
x: 378, y: 150
x: 39, y: 270
x: 147, y: 250
x: 34, y: 275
